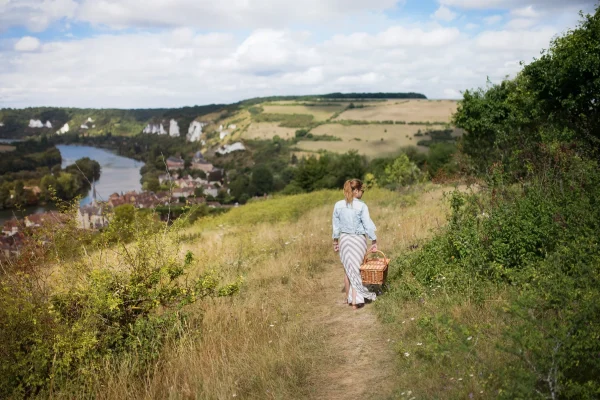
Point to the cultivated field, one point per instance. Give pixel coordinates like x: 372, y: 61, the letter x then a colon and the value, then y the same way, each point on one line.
x: 321, y: 113
x: 4, y: 148
x: 403, y: 110
x: 267, y: 130
x: 370, y: 140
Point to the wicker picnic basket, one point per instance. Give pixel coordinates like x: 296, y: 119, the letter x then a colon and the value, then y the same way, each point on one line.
x: 373, y: 271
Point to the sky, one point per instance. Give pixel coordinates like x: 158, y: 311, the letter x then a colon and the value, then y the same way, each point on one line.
x: 172, y: 53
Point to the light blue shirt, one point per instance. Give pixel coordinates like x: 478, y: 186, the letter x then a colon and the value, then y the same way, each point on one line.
x: 352, y: 218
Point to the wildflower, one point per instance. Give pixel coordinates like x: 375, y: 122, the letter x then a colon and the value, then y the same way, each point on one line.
x: 460, y: 379
x: 412, y: 319
x: 470, y: 337
x: 287, y: 243
x: 234, y: 395
x: 471, y: 375
x: 271, y: 325
x: 406, y: 354
x: 419, y: 344
x: 403, y: 321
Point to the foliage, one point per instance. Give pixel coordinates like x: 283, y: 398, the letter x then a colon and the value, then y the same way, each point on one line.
x: 536, y: 237
x: 57, y: 333
x: 552, y: 100
x: 286, y: 120
x: 401, y: 172
x: 329, y: 171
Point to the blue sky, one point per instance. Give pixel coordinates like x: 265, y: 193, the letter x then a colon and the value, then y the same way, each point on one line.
x: 167, y: 53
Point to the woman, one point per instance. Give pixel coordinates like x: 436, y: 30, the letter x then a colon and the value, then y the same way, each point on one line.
x: 351, y: 222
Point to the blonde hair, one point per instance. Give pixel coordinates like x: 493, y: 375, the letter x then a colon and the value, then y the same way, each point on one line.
x: 349, y: 187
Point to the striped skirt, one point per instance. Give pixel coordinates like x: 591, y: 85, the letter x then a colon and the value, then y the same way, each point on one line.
x: 352, y: 252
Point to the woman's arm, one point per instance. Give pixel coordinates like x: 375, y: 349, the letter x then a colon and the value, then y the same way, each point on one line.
x: 335, y: 221
x: 370, y: 227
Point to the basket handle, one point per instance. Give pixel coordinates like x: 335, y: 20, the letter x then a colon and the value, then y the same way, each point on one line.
x: 368, y: 252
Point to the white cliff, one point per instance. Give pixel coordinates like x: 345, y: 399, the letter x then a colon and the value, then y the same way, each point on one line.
x: 173, y: 128
x: 64, y: 129
x: 232, y: 127
x: 35, y: 123
x: 89, y: 120
x: 155, y: 129
x: 195, y: 131
x: 226, y: 149
x: 48, y: 124
x: 223, y: 134
x: 84, y: 126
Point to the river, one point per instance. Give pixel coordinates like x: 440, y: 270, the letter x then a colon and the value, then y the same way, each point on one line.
x: 118, y: 174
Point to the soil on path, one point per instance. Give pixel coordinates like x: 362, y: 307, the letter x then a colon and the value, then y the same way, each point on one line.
x: 363, y: 357
x: 364, y: 360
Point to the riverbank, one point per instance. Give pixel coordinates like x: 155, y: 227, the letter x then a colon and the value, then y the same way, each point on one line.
x: 118, y: 175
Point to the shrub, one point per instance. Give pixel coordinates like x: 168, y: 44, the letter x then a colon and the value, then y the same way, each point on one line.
x: 538, y: 237
x: 105, y: 301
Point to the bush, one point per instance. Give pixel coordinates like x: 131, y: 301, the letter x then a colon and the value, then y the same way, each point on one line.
x: 538, y: 237
x: 97, y: 308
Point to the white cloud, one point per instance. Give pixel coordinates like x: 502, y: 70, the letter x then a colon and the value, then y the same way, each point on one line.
x: 491, y: 20
x: 27, y: 43
x: 520, y: 23
x: 181, y: 67
x: 509, y: 4
x: 222, y: 14
x: 522, y: 40
x: 36, y: 15
x: 524, y: 12
x: 444, y: 14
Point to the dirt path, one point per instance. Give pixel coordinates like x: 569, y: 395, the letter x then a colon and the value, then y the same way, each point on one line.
x: 356, y: 340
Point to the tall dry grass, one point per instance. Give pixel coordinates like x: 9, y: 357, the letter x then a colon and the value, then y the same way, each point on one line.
x: 263, y: 342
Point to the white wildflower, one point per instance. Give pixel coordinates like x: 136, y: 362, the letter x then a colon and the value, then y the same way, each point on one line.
x: 470, y: 337
x: 419, y: 344
x: 406, y: 354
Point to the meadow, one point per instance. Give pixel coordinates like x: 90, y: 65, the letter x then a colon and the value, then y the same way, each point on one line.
x: 279, y: 337
x: 372, y: 140
x: 320, y: 112
x: 432, y: 111
x: 267, y: 130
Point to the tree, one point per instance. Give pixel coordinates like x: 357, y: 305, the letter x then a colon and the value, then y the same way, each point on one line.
x: 86, y: 169
x: 565, y: 81
x: 401, y: 172
x: 239, y: 186
x: 68, y: 186
x: 350, y: 165
x: 4, y: 195
x: 48, y: 186
x: 262, y: 179
x: 19, y: 197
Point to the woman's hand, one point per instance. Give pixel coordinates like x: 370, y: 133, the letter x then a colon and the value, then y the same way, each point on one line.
x: 336, y: 246
x: 373, y: 248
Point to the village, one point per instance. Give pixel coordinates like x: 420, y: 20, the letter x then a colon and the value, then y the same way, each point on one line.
x: 182, y: 191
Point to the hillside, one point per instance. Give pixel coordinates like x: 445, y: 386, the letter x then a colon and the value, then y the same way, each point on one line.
x: 16, y: 123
